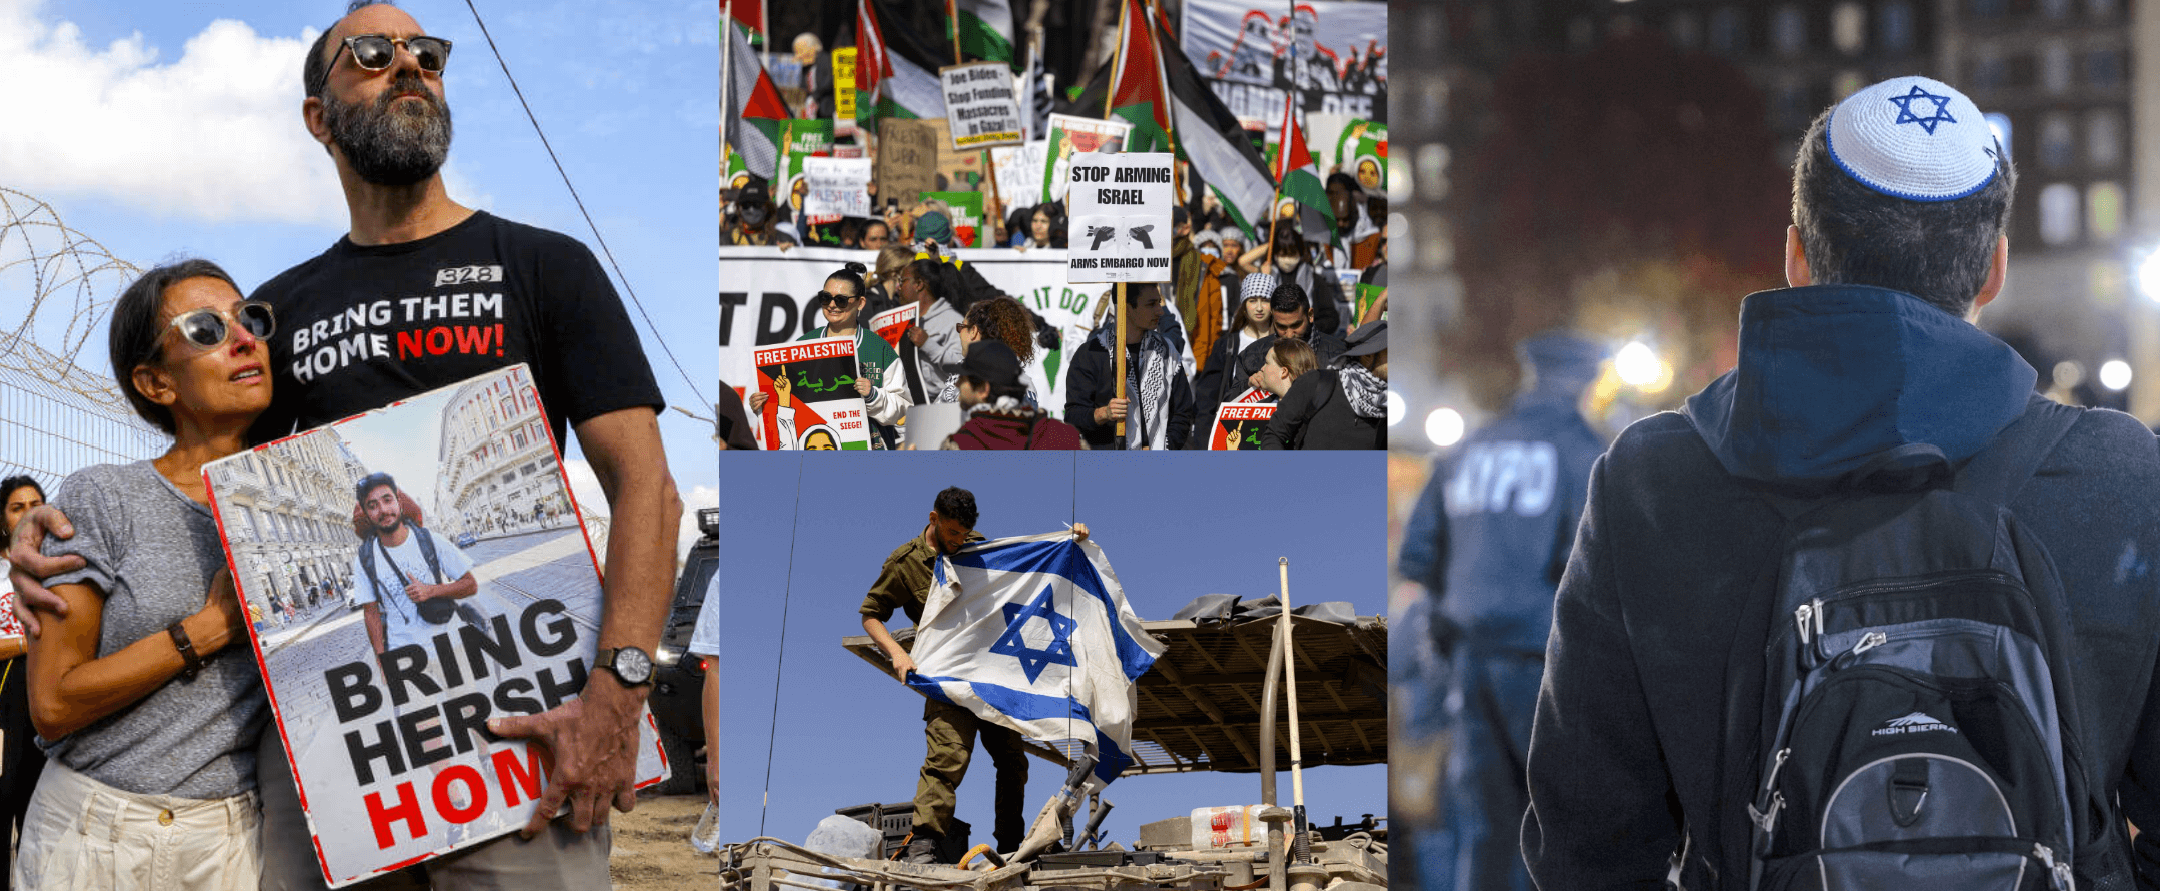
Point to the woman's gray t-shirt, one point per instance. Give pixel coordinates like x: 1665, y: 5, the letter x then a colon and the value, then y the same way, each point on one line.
x: 152, y: 552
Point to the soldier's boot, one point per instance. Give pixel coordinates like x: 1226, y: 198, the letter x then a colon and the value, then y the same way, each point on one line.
x: 922, y: 848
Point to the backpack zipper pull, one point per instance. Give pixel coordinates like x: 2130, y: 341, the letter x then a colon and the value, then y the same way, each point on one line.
x: 1870, y: 641
x: 1800, y: 618
x: 2064, y: 880
x: 1818, y: 617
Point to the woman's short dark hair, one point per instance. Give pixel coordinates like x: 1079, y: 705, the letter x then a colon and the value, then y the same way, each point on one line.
x: 7, y: 493
x: 138, y: 326
x: 1938, y: 251
x: 942, y: 280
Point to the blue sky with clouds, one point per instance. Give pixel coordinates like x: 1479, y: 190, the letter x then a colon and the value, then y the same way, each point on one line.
x: 174, y: 128
x: 1174, y: 526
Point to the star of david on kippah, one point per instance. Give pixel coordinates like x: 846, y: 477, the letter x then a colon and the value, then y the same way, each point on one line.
x: 1033, y: 660
x: 1905, y: 112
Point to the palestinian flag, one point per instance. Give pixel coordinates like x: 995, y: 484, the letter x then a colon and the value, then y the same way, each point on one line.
x: 750, y: 14
x: 1209, y: 137
x: 1136, y: 82
x: 1299, y: 175
x: 755, y: 113
x: 985, y: 29
x: 896, y: 70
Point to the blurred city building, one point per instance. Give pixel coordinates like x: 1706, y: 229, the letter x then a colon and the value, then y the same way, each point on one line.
x: 289, y: 515
x: 498, y: 473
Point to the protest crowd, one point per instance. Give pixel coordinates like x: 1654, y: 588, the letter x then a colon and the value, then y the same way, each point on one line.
x: 1274, y: 254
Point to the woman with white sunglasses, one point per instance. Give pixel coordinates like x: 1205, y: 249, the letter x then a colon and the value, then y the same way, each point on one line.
x: 145, y: 696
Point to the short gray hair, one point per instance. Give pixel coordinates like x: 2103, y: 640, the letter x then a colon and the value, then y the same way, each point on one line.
x: 1938, y: 251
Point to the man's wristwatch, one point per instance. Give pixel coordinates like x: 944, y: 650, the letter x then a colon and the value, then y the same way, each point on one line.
x: 632, y: 665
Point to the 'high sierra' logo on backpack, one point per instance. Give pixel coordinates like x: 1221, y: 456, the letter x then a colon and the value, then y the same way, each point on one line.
x: 1913, y: 723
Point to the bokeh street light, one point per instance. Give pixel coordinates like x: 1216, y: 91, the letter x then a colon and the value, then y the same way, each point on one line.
x: 1395, y: 408
x: 1444, y: 427
x: 2115, y: 374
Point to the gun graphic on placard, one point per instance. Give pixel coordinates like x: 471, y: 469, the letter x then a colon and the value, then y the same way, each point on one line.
x: 1101, y: 234
x: 1140, y: 234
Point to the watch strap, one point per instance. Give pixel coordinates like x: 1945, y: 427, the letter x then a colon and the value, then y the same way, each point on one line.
x: 181, y: 642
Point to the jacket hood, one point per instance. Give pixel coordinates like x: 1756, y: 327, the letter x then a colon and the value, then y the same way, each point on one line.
x: 1833, y: 377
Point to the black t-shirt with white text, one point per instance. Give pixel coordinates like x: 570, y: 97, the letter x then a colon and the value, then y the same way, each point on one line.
x: 359, y: 327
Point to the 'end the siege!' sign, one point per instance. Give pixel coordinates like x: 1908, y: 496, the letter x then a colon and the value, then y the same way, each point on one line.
x: 981, y: 105
x: 1120, y: 217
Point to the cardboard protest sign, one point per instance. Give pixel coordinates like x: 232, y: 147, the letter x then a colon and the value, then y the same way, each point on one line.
x: 892, y: 324
x: 838, y: 187
x: 1119, y: 208
x: 801, y: 141
x: 1019, y: 172
x: 981, y: 106
x: 969, y: 228
x: 810, y: 398
x: 1069, y: 136
x: 843, y: 73
x: 381, y: 691
x: 907, y: 154
x: 1238, y: 425
x: 1253, y: 394
x: 765, y: 294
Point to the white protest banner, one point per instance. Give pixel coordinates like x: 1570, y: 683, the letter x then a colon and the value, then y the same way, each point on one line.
x: 981, y: 106
x: 765, y: 292
x: 381, y: 695
x: 1019, y: 172
x: 810, y: 398
x: 1119, y: 207
x: 839, y: 187
x: 1237, y: 426
x: 892, y: 324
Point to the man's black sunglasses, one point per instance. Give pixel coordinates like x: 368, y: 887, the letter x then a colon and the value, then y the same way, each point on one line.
x: 376, y: 52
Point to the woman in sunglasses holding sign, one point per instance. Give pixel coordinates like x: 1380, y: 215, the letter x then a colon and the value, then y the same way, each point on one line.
x: 145, y: 695
x: 879, y: 381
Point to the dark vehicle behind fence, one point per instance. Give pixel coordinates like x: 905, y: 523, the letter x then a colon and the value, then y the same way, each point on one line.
x: 679, y: 677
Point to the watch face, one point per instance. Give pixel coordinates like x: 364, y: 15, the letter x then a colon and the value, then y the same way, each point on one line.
x: 633, y: 665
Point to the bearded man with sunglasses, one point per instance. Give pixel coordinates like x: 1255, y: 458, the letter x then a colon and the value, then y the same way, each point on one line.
x: 423, y: 292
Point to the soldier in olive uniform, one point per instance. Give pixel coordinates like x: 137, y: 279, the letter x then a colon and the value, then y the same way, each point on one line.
x: 904, y: 584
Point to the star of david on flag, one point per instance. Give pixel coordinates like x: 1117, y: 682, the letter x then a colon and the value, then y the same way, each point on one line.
x: 1034, y: 633
x: 1905, y: 110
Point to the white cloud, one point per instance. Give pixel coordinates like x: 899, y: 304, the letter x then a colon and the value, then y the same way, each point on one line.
x: 697, y: 497
x: 586, y: 487
x: 214, y: 135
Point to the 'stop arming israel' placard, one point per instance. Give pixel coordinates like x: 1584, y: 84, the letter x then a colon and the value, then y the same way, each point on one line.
x: 1120, y: 217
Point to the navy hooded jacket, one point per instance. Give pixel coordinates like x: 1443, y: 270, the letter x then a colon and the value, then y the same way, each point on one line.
x: 1662, y: 615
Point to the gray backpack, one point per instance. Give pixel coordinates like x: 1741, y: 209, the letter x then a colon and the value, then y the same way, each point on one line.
x: 1917, y: 723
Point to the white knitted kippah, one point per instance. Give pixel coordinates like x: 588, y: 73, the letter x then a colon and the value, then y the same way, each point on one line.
x: 1913, y: 138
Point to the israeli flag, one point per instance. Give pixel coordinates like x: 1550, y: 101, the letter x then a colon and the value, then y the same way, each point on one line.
x: 1034, y: 633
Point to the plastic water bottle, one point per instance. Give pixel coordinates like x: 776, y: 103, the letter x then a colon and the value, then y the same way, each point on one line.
x: 706, y: 838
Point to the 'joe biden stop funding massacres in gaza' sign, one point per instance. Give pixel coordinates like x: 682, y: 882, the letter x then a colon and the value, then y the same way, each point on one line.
x: 1120, y: 217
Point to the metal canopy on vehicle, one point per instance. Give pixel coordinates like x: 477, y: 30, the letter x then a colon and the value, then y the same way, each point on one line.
x: 1200, y: 704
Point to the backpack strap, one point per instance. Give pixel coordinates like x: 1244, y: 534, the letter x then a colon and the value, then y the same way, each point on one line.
x: 427, y: 552
x: 2001, y: 469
